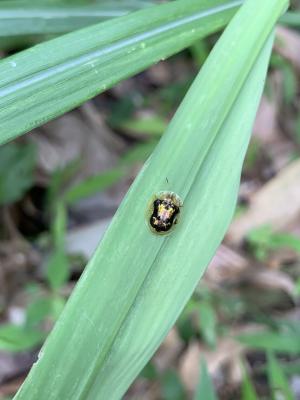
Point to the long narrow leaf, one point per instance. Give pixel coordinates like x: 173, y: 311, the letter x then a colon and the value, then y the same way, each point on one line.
x: 205, y: 389
x: 47, y: 80
x: 291, y: 19
x: 287, y: 342
x: 137, y: 282
x: 40, y: 19
x: 277, y: 380
x: 248, y: 390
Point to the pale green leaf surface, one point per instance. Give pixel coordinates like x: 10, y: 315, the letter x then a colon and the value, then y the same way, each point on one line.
x: 137, y: 283
x: 49, y: 79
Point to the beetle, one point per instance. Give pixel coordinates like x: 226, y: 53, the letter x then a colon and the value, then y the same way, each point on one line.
x: 164, y: 212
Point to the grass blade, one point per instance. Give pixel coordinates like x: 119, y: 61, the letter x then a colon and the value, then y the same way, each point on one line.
x: 287, y: 342
x: 205, y: 389
x: 93, y: 185
x: 248, y: 390
x: 279, y: 384
x: 73, y: 68
x: 137, y: 282
x: 41, y: 19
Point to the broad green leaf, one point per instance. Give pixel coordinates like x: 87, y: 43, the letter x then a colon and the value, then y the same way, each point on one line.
x: 137, y: 282
x: 17, y: 18
x: 205, y: 389
x: 279, y: 384
x: 17, y: 164
x: 287, y: 342
x: 18, y: 338
x: 47, y: 80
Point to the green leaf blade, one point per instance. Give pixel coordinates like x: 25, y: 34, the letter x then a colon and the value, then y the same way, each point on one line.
x: 248, y: 390
x: 205, y: 389
x: 274, y: 341
x: 40, y: 19
x: 137, y: 283
x: 93, y: 185
x: 291, y: 19
x: 279, y: 384
x: 91, y: 60
x: 17, y: 163
x: 208, y: 323
x: 17, y: 338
